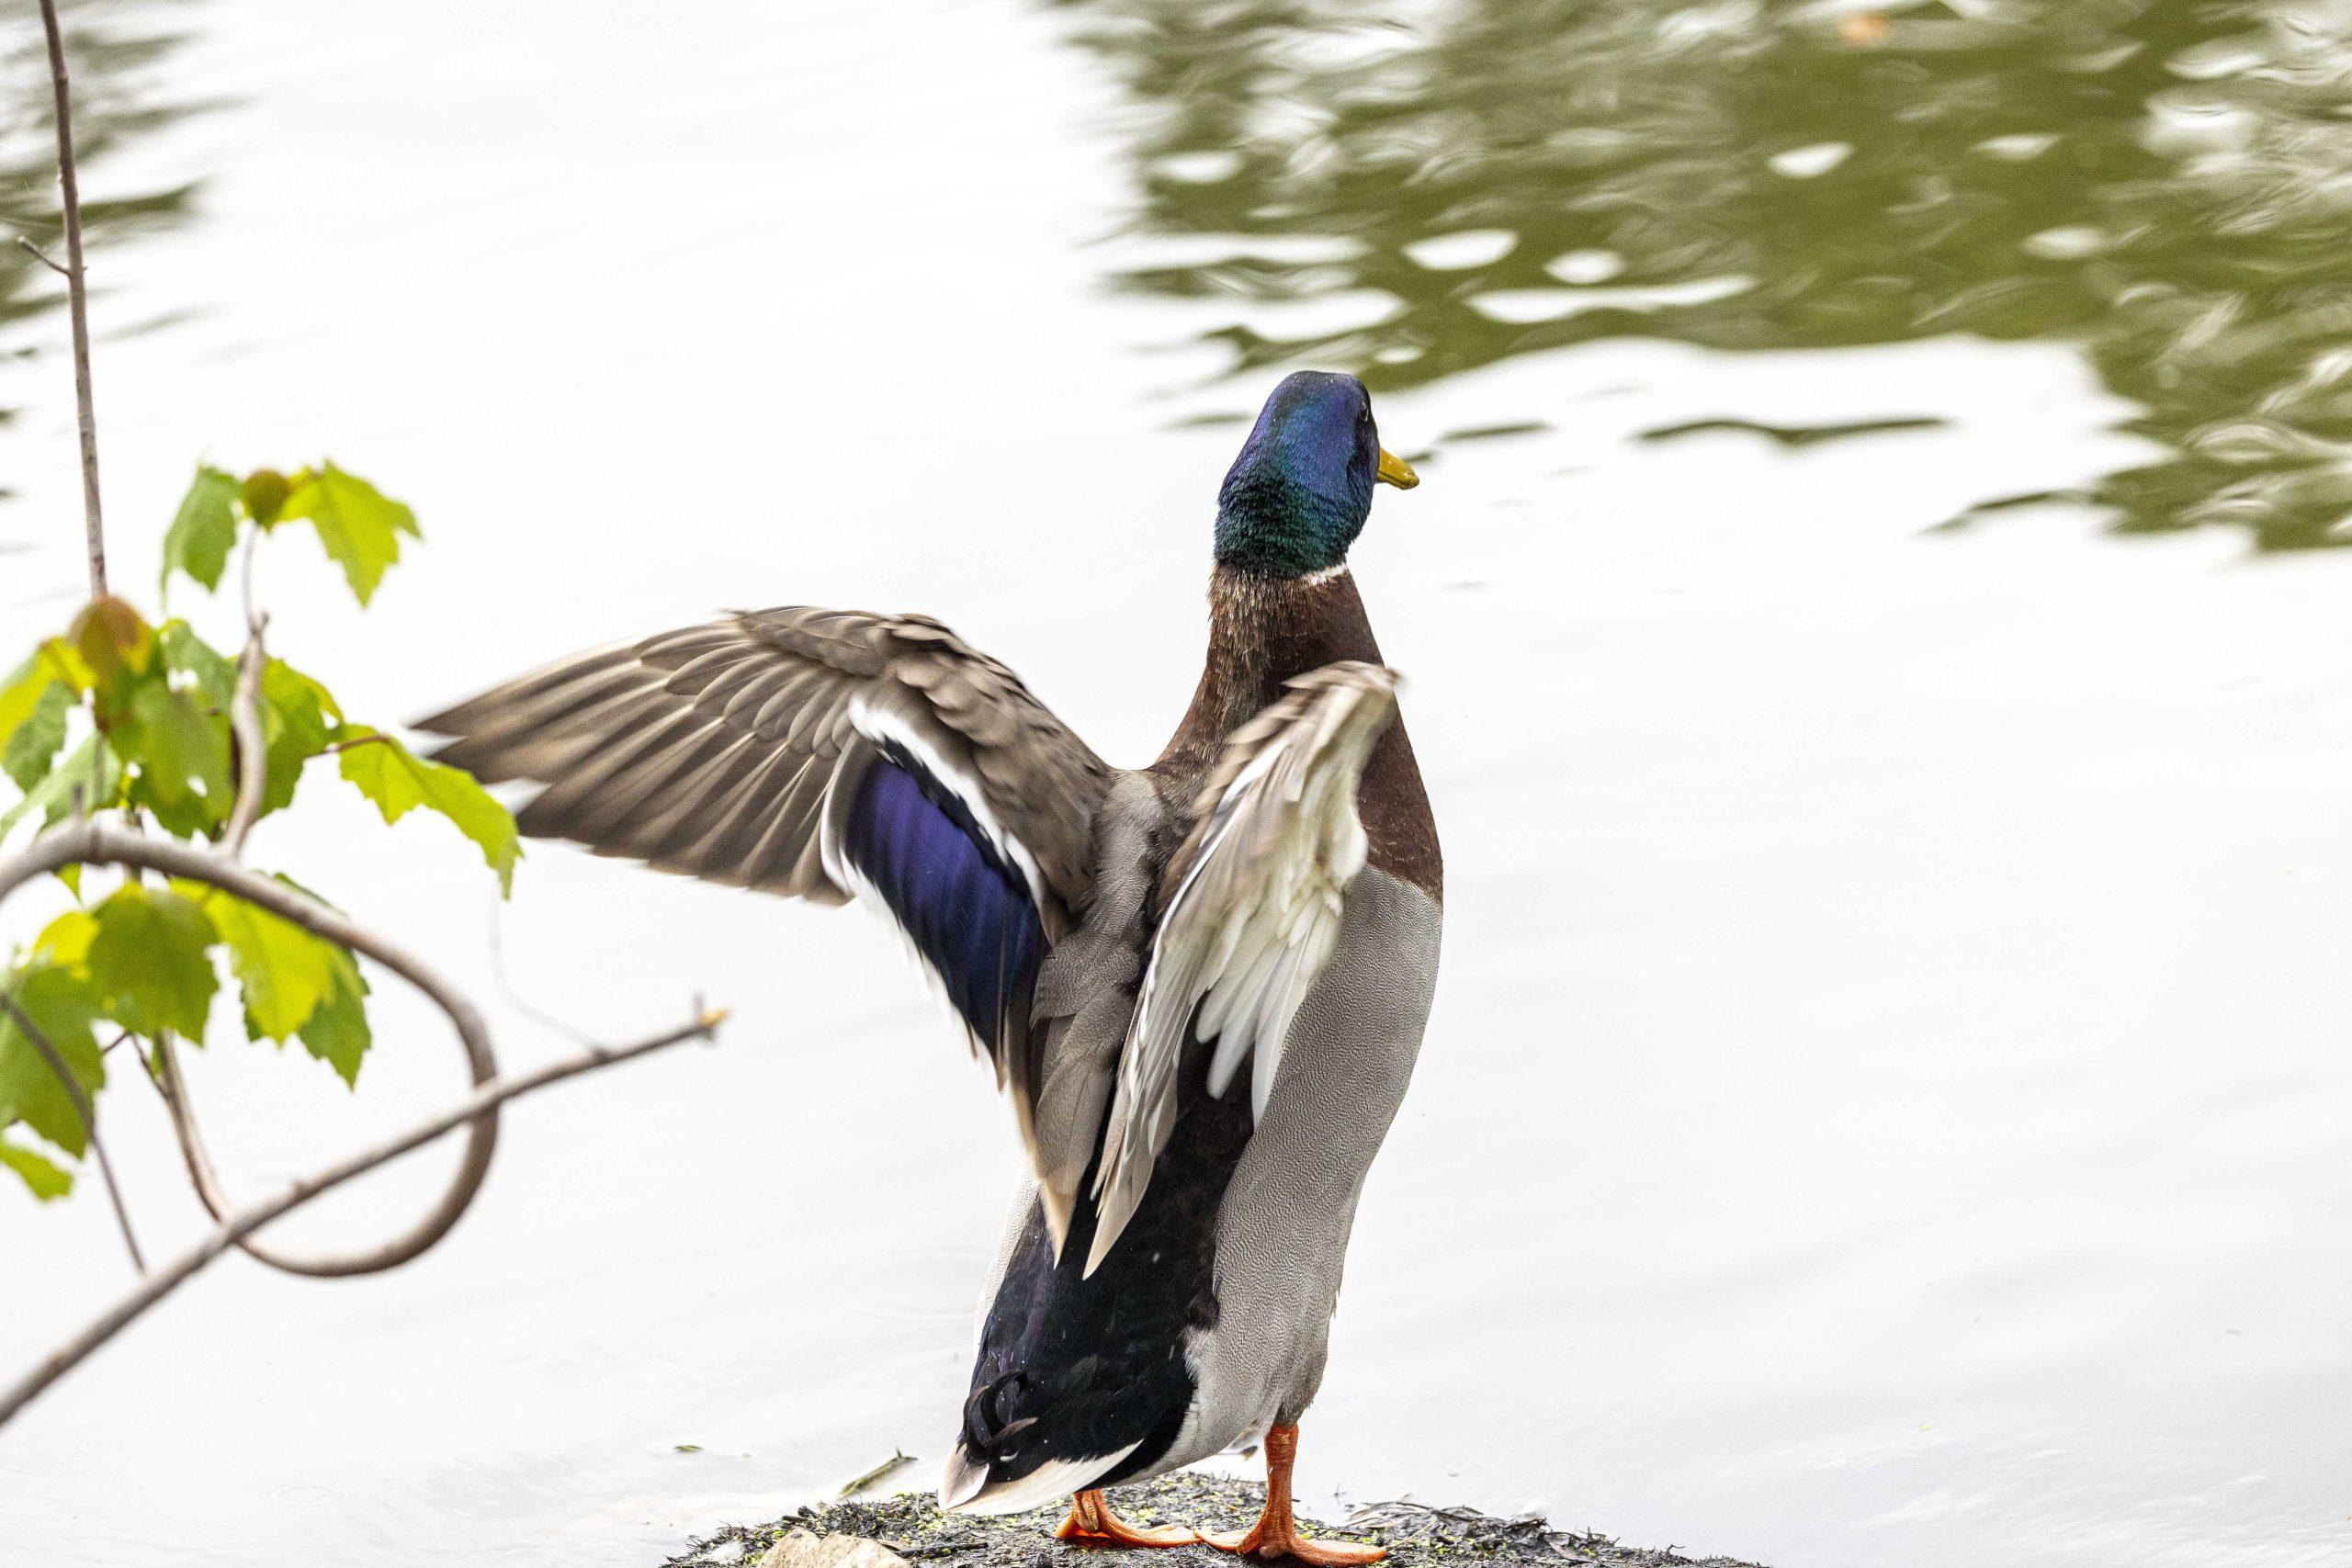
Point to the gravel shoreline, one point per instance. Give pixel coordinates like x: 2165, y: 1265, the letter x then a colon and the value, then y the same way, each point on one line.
x: 1416, y: 1535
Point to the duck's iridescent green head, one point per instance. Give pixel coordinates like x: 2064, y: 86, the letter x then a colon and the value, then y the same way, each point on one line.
x: 1299, y: 494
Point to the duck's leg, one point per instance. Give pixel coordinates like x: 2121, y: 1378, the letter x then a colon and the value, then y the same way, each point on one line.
x: 1092, y: 1523
x: 1276, y: 1532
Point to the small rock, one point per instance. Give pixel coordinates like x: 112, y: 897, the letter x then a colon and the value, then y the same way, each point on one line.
x: 800, y: 1548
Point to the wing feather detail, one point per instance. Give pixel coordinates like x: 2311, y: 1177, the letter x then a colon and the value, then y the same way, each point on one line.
x: 708, y: 750
x: 1253, y: 901
x: 821, y: 754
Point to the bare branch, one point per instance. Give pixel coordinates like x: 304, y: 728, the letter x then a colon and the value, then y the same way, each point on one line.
x: 201, y: 1172
x: 475, y: 1110
x: 213, y: 1193
x: 43, y: 257
x: 77, y: 295
x: 93, y: 841
x: 82, y: 1109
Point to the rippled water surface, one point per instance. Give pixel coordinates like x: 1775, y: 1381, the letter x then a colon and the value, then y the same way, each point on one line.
x: 1874, y: 640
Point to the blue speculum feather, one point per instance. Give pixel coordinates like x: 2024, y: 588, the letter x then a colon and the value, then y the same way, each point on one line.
x: 968, y: 913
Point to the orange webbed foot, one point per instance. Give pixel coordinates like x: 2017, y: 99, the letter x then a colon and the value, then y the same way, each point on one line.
x: 1269, y: 1545
x: 1092, y: 1523
x: 1275, y: 1535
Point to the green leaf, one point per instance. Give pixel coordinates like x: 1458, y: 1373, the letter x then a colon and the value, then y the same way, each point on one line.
x: 398, y: 781
x: 112, y: 645
x: 338, y: 1033
x: 46, y: 1181
x: 66, y: 664
x: 151, y: 961
x: 91, y: 762
x: 21, y: 695
x: 284, y: 971
x: 215, y: 672
x: 201, y: 535
x: 298, y: 714
x: 181, y: 754
x: 65, y: 940
x: 33, y: 745
x: 293, y: 982
x: 358, y: 525
x: 286, y: 685
x: 62, y: 1006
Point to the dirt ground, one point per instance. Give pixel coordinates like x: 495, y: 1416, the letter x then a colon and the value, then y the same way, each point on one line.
x: 911, y: 1525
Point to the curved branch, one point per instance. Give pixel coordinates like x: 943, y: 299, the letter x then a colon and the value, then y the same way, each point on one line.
x: 244, y: 722
x: 473, y: 1110
x: 213, y: 1193
x: 92, y: 841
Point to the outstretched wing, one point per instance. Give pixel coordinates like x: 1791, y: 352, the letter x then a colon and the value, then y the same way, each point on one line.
x: 1252, y: 912
x: 823, y: 754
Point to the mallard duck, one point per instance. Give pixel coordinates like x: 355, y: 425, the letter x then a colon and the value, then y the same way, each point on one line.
x: 1202, y: 984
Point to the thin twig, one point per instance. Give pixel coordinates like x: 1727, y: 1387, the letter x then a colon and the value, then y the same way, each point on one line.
x: 476, y: 1108
x: 254, y: 619
x: 245, y: 719
x: 515, y: 998
x: 92, y: 841
x: 77, y: 295
x: 44, y: 257
x: 872, y: 1477
x: 85, y: 1110
x: 342, y: 746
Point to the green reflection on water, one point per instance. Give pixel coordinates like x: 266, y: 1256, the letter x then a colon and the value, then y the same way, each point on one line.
x: 2163, y: 183
x: 114, y: 55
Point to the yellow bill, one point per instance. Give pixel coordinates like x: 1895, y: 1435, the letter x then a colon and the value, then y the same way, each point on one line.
x: 1395, y: 470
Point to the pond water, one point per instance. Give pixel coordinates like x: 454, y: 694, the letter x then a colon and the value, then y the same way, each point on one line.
x: 1872, y: 639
